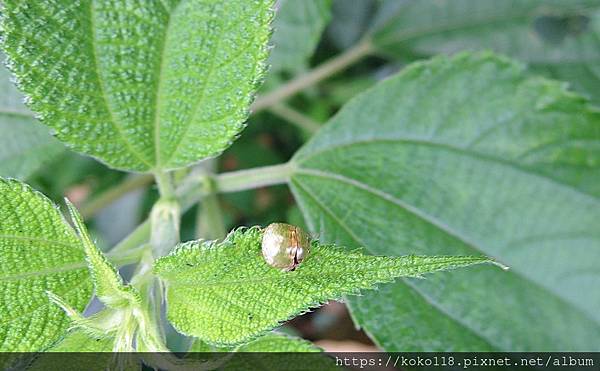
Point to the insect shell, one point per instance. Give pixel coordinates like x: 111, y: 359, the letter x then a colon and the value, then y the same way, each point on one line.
x: 285, y: 246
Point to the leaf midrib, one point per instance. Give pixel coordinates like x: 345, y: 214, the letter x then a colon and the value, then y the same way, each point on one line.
x: 348, y: 230
x: 431, y: 301
x: 102, y: 88
x: 201, y: 94
x: 163, y: 47
x: 201, y: 98
x: 263, y: 279
x: 449, y: 146
x: 450, y: 232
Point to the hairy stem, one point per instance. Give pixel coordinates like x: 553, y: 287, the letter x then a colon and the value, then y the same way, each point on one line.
x: 327, y: 69
x: 164, y: 226
x: 242, y: 180
x: 209, y: 217
x: 152, y: 300
x: 164, y: 235
x: 130, y: 184
x: 291, y: 115
x: 165, y: 184
x: 191, y: 191
x: 210, y: 224
x: 271, y: 100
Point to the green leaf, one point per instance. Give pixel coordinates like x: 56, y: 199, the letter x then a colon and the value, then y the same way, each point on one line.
x: 39, y: 252
x: 226, y: 294
x: 86, y: 352
x: 271, y: 342
x: 159, y: 84
x: 25, y: 144
x: 349, y: 23
x: 298, y: 28
x: 583, y: 77
x: 108, y: 284
x: 466, y: 155
x: 546, y: 34
x: 80, y: 341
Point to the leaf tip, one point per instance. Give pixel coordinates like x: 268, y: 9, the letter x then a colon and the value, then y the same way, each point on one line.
x: 500, y: 265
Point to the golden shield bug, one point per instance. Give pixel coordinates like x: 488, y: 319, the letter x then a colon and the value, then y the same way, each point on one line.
x: 285, y: 246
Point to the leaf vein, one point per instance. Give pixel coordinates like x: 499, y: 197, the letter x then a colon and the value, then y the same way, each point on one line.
x: 448, y: 230
x: 115, y: 123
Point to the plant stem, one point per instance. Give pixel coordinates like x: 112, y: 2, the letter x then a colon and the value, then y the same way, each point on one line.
x: 164, y: 183
x: 209, y: 224
x: 138, y: 237
x: 164, y: 235
x: 153, y: 299
x: 242, y: 180
x: 291, y: 115
x: 164, y: 217
x: 129, y: 257
x: 98, y: 203
x: 164, y: 226
x: 191, y: 191
x: 327, y: 69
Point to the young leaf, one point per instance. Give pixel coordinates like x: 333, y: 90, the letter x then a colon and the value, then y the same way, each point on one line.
x: 109, y: 286
x: 225, y: 293
x: 298, y: 27
x: 553, y: 37
x: 25, y: 144
x: 39, y: 252
x: 466, y: 155
x: 159, y: 84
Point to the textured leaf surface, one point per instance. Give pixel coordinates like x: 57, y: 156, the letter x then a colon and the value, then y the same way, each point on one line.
x: 108, y: 284
x: 461, y: 156
x: 298, y: 28
x: 87, y: 352
x: 79, y: 341
x: 227, y: 294
x: 38, y: 252
x: 269, y: 343
x: 543, y: 33
x: 25, y: 144
x: 156, y: 84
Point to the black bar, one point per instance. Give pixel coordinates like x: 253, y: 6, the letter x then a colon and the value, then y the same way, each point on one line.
x: 303, y: 361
